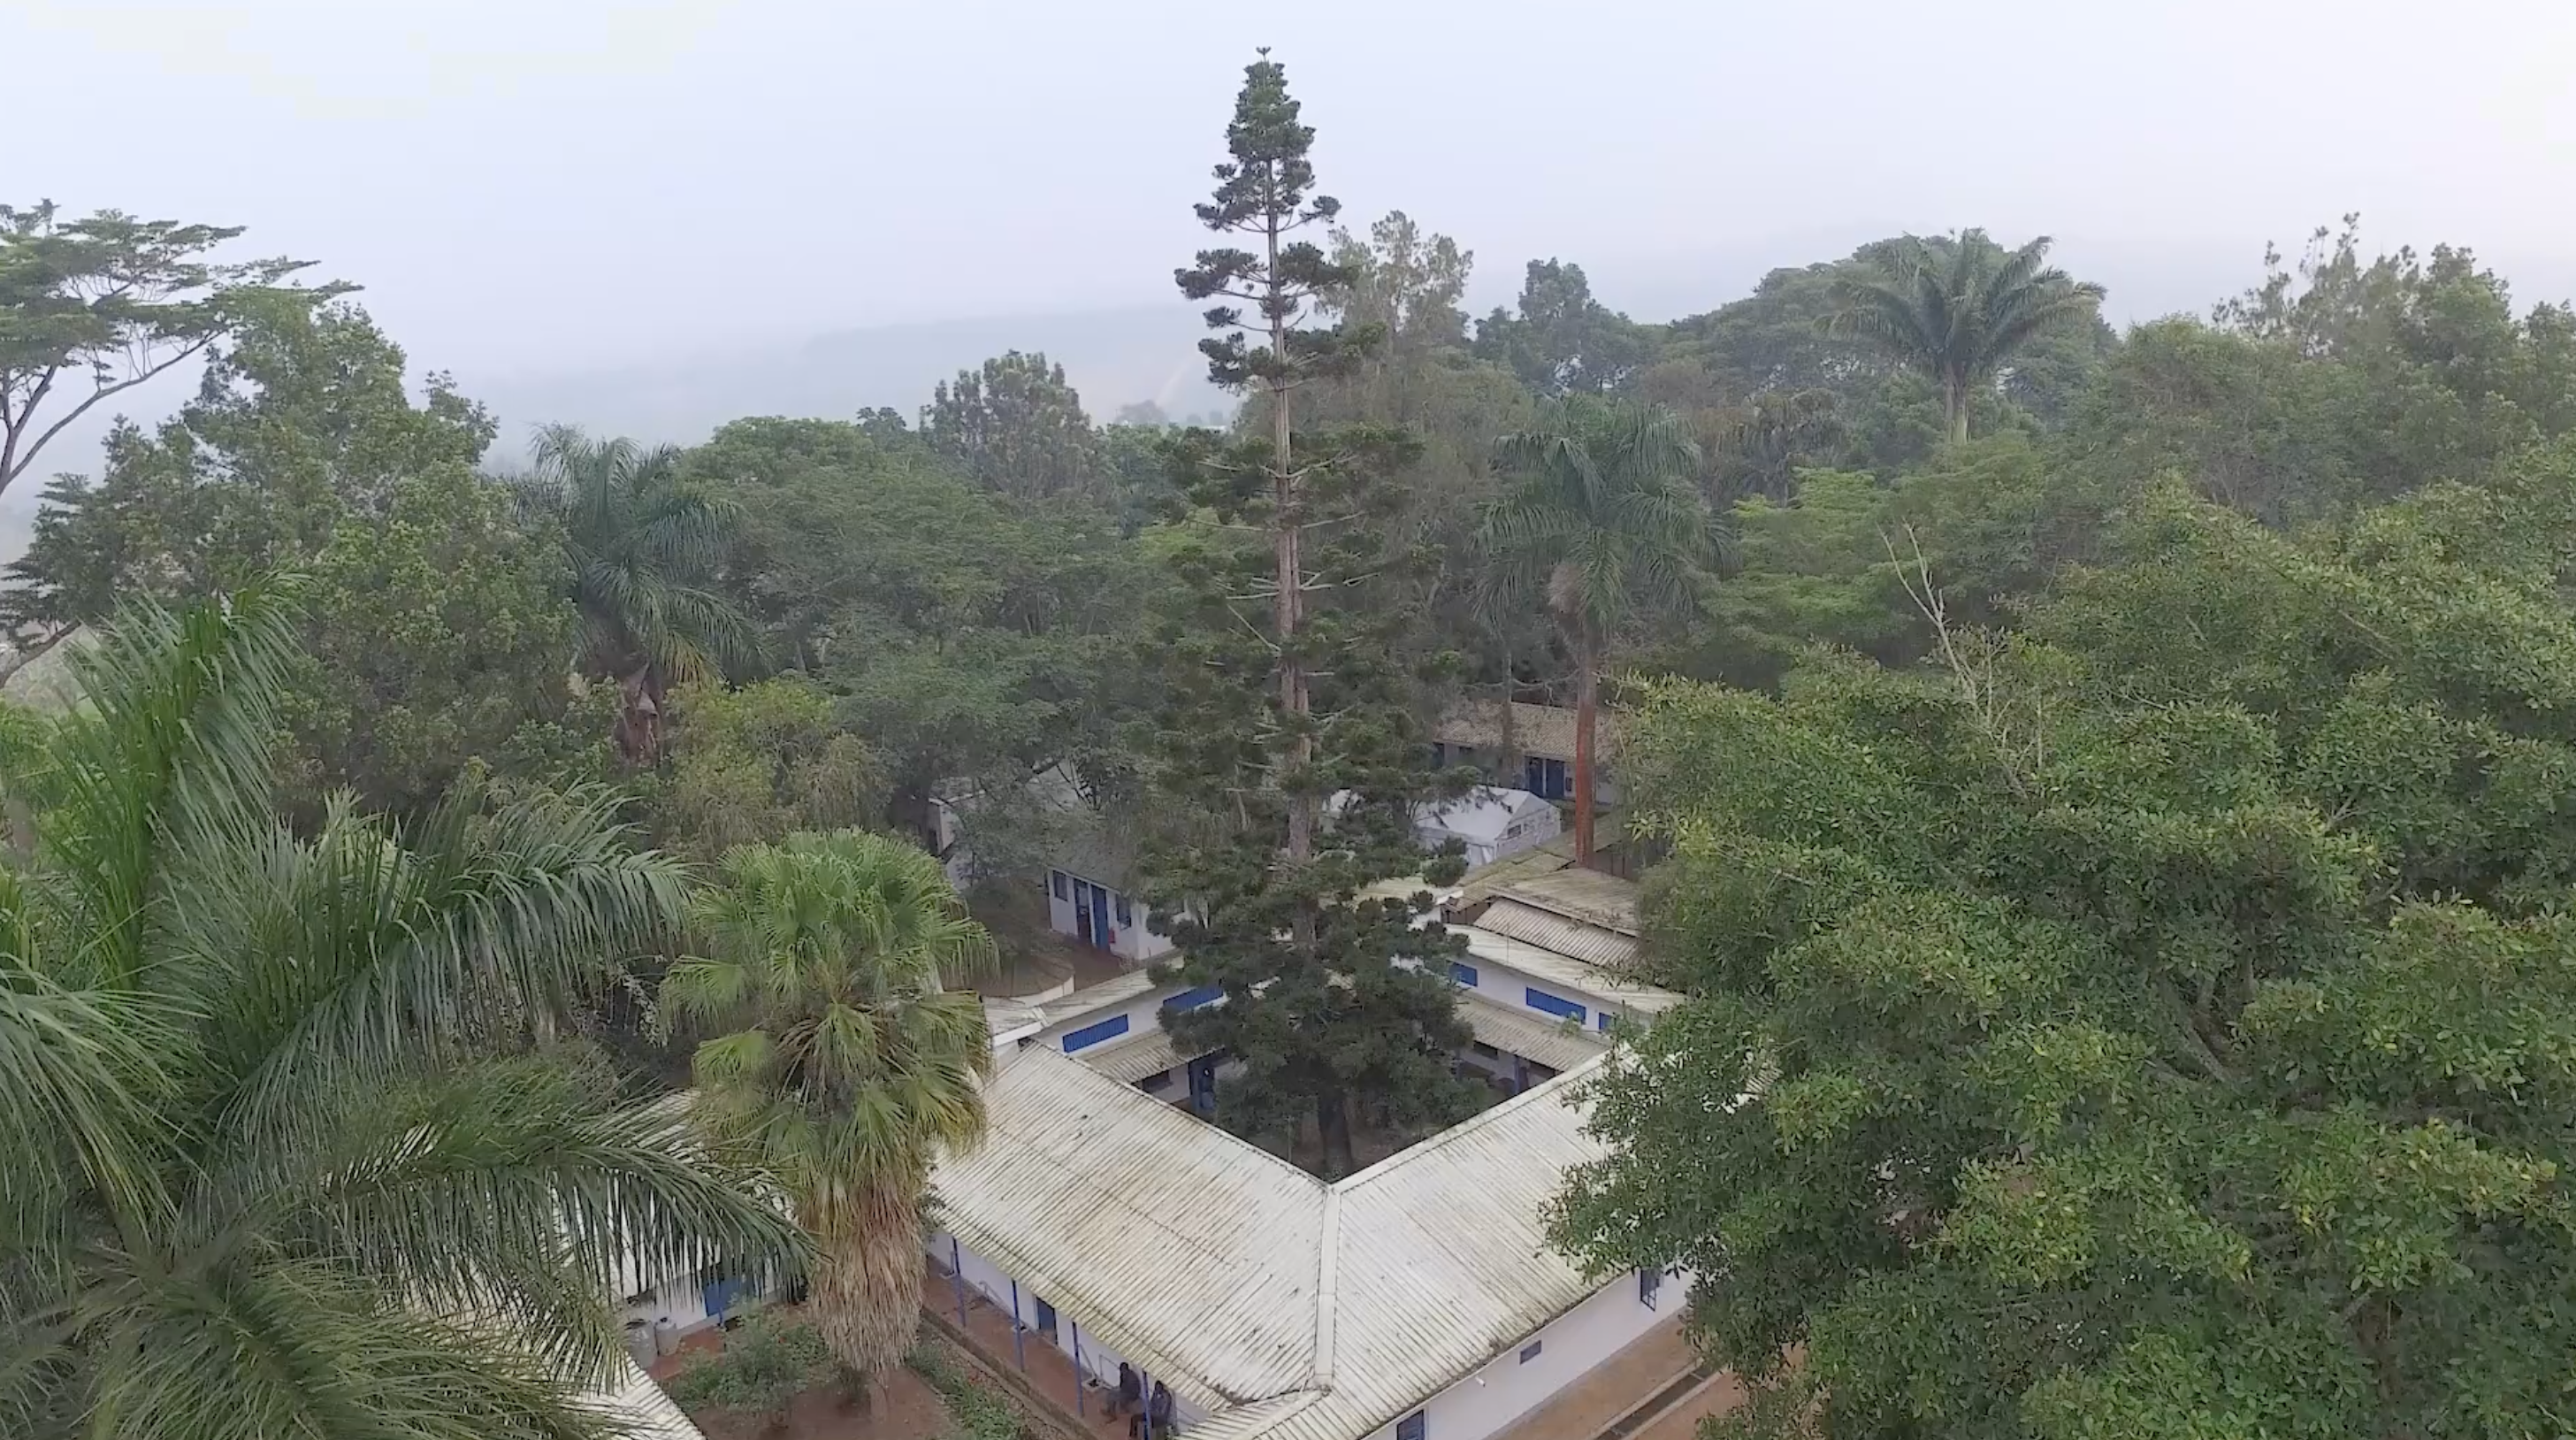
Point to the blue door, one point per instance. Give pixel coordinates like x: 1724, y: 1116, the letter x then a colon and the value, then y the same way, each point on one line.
x: 1203, y: 1085
x: 1046, y: 1317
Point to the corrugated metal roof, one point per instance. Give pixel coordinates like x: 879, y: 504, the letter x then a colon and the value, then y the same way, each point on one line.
x: 1107, y: 995
x: 1540, y: 963
x: 1289, y: 1309
x: 638, y: 1405
x: 1151, y: 1053
x: 1185, y: 1249
x: 1578, y: 894
x: 1536, y: 729
x: 1558, y: 1045
x: 1575, y: 939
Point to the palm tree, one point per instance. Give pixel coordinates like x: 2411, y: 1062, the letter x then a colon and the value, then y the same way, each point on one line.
x: 1600, y: 520
x: 848, y: 1063
x: 281, y: 1153
x: 1958, y: 310
x: 642, y: 544
x: 1760, y: 446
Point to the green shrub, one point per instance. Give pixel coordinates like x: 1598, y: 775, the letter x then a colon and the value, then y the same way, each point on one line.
x: 763, y: 1366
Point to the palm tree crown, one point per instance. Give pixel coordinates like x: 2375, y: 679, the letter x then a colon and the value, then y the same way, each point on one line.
x: 1601, y: 521
x: 1958, y: 310
x: 282, y: 1153
x: 848, y: 1062
x: 643, y: 546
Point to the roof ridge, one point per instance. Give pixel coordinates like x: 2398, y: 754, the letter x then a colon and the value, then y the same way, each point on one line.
x: 1328, y: 1300
x: 1142, y: 1101
x: 1545, y: 1090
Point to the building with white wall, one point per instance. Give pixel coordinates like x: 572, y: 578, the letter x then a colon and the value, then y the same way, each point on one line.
x: 1488, y: 822
x: 1527, y: 747
x: 1416, y: 1300
x: 1086, y: 859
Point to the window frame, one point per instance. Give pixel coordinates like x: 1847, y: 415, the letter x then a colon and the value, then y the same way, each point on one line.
x: 1548, y: 1003
x: 1095, y: 1033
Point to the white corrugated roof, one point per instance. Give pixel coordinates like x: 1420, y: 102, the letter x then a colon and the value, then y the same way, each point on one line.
x: 1557, y: 1044
x: 1578, y: 894
x: 1485, y: 813
x: 1541, y: 963
x: 1290, y: 1309
x: 1129, y: 1061
x: 1174, y: 1241
x: 639, y: 1405
x: 1560, y: 933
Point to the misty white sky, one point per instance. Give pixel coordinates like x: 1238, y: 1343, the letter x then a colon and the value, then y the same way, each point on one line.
x: 526, y: 186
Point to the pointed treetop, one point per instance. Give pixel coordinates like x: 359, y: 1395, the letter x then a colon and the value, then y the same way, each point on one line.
x: 1269, y: 173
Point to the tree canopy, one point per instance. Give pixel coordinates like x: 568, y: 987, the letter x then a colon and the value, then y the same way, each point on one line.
x: 2147, y: 1025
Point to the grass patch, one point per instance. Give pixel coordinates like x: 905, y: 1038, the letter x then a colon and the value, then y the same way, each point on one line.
x: 983, y: 1413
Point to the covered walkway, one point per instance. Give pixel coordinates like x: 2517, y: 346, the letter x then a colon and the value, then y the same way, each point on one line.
x: 1078, y: 1409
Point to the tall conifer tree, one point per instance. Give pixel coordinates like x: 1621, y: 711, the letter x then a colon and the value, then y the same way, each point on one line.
x: 1288, y: 745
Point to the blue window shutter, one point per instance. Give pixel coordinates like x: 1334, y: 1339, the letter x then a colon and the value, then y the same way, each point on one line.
x: 1463, y: 974
x: 1126, y: 916
x: 1649, y: 1282
x: 1193, y: 999
x: 1410, y: 1427
x: 1602, y: 1020
x: 1056, y: 879
x: 1090, y: 1035
x: 1533, y: 775
x: 1557, y: 1005
x: 1530, y: 1351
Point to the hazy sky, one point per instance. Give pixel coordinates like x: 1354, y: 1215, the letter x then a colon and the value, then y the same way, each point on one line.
x: 534, y: 185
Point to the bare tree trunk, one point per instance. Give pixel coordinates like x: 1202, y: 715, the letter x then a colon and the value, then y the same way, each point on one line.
x: 865, y: 1286
x: 1333, y: 1128
x: 1954, y: 404
x: 24, y: 650
x: 1286, y: 607
x: 1587, y: 685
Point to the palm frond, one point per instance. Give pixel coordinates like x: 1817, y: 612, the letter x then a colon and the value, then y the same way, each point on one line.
x: 173, y: 736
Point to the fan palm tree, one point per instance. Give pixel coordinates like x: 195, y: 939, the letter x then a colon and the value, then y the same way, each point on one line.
x: 1959, y: 310
x: 643, y: 545
x: 281, y: 1154
x: 1600, y: 521
x: 847, y: 1062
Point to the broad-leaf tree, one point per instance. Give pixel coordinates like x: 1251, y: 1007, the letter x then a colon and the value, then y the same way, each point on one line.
x: 1600, y: 524
x: 305, y: 449
x: 92, y: 308
x: 844, y: 1059
x: 970, y: 639
x: 1281, y: 696
x: 285, y: 1151
x: 1563, y: 342
x: 1018, y: 427
x: 2155, y: 1025
x: 1958, y: 310
x: 642, y: 544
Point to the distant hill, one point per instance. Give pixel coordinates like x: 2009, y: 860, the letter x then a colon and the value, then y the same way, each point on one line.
x: 1114, y: 357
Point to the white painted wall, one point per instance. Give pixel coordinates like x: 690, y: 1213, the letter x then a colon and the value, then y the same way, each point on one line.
x: 1144, y: 1014
x: 1137, y: 941
x: 1506, y: 986
x: 1095, y: 1358
x: 1504, y: 1389
x: 682, y: 1301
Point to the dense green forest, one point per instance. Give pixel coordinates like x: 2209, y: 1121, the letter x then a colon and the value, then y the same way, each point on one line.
x: 2116, y: 792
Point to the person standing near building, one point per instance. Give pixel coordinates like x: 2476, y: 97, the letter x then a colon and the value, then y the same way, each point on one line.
x: 1157, y: 1419
x: 1131, y: 1391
